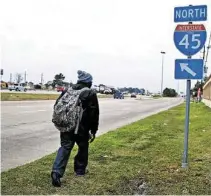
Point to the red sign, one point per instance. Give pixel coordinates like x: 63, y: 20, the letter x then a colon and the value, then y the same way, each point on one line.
x: 190, y: 27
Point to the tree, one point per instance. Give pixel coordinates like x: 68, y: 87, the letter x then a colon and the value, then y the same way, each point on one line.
x: 71, y: 84
x: 143, y: 91
x: 37, y: 86
x: 18, y: 77
x: 31, y: 84
x: 49, y: 84
x: 205, y: 79
x: 168, y: 92
x: 58, y: 79
x: 199, y: 84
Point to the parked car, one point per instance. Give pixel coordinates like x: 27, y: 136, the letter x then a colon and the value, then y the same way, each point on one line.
x: 17, y: 87
x: 118, y: 95
x: 107, y: 91
x: 133, y: 95
x: 59, y: 88
x: 95, y: 88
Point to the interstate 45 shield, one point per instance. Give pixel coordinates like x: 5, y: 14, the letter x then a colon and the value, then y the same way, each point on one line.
x: 190, y: 39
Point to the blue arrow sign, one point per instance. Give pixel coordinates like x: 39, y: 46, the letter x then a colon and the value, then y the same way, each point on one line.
x: 190, y: 39
x: 188, y: 69
x: 190, y: 13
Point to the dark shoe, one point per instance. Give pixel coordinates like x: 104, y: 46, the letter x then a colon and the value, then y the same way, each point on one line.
x: 81, y: 173
x: 55, y: 179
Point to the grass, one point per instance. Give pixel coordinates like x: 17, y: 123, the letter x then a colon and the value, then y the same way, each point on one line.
x: 156, y: 96
x: 27, y: 96
x: 30, y: 96
x: 142, y: 157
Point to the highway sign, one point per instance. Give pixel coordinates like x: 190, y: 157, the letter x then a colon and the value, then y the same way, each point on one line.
x: 188, y: 69
x: 190, y: 13
x: 189, y: 39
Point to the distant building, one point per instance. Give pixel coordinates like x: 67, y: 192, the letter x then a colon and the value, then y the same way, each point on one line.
x: 207, y: 89
x: 4, y: 85
x: 105, y: 89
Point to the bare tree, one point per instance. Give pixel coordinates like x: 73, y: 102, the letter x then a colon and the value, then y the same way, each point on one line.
x: 18, y: 77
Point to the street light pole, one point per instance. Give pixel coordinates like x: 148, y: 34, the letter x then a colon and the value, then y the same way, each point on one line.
x: 163, y: 53
x: 25, y: 76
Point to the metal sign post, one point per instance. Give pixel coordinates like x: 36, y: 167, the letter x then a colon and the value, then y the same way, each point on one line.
x: 189, y: 40
x: 187, y: 121
x: 187, y: 117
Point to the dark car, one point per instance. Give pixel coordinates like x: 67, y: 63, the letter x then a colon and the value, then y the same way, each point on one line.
x: 118, y: 95
x: 133, y: 95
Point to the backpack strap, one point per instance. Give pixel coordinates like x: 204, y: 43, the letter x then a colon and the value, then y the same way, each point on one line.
x: 84, y: 89
x: 81, y: 112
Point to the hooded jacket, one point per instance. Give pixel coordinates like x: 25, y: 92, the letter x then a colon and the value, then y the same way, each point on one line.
x: 90, y: 117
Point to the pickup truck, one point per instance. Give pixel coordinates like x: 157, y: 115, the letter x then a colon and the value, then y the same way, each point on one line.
x: 17, y: 87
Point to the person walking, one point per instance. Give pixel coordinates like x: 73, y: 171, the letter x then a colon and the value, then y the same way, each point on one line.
x: 86, y: 128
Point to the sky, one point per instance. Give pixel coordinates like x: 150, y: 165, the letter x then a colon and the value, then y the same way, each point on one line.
x: 117, y: 41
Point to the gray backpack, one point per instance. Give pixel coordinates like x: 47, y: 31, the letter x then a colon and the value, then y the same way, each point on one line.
x: 68, y: 111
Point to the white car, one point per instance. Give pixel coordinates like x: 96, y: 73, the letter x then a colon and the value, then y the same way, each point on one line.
x: 95, y: 88
x: 17, y: 87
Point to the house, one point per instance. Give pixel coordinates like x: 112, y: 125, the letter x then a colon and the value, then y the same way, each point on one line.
x: 207, y: 92
x: 4, y: 85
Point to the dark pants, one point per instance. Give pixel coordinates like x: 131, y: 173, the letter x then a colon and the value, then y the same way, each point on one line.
x: 81, y: 159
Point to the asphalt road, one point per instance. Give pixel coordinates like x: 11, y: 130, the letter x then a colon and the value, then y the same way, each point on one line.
x: 28, y: 134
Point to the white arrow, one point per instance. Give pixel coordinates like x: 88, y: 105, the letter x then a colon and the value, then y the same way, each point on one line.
x: 184, y: 66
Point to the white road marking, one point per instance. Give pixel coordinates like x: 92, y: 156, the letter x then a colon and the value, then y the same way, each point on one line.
x: 32, y: 111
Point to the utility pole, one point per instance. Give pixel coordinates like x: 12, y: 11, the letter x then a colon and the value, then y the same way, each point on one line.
x: 2, y: 73
x: 204, y: 53
x: 203, y: 57
x: 42, y: 81
x: 206, y: 56
x: 25, y: 76
x: 10, y: 77
x: 161, y: 90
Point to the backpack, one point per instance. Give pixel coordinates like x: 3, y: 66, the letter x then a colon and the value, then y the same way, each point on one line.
x: 68, y: 111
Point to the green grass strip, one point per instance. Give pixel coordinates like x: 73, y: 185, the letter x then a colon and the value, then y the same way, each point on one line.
x: 146, y: 152
x: 34, y: 97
